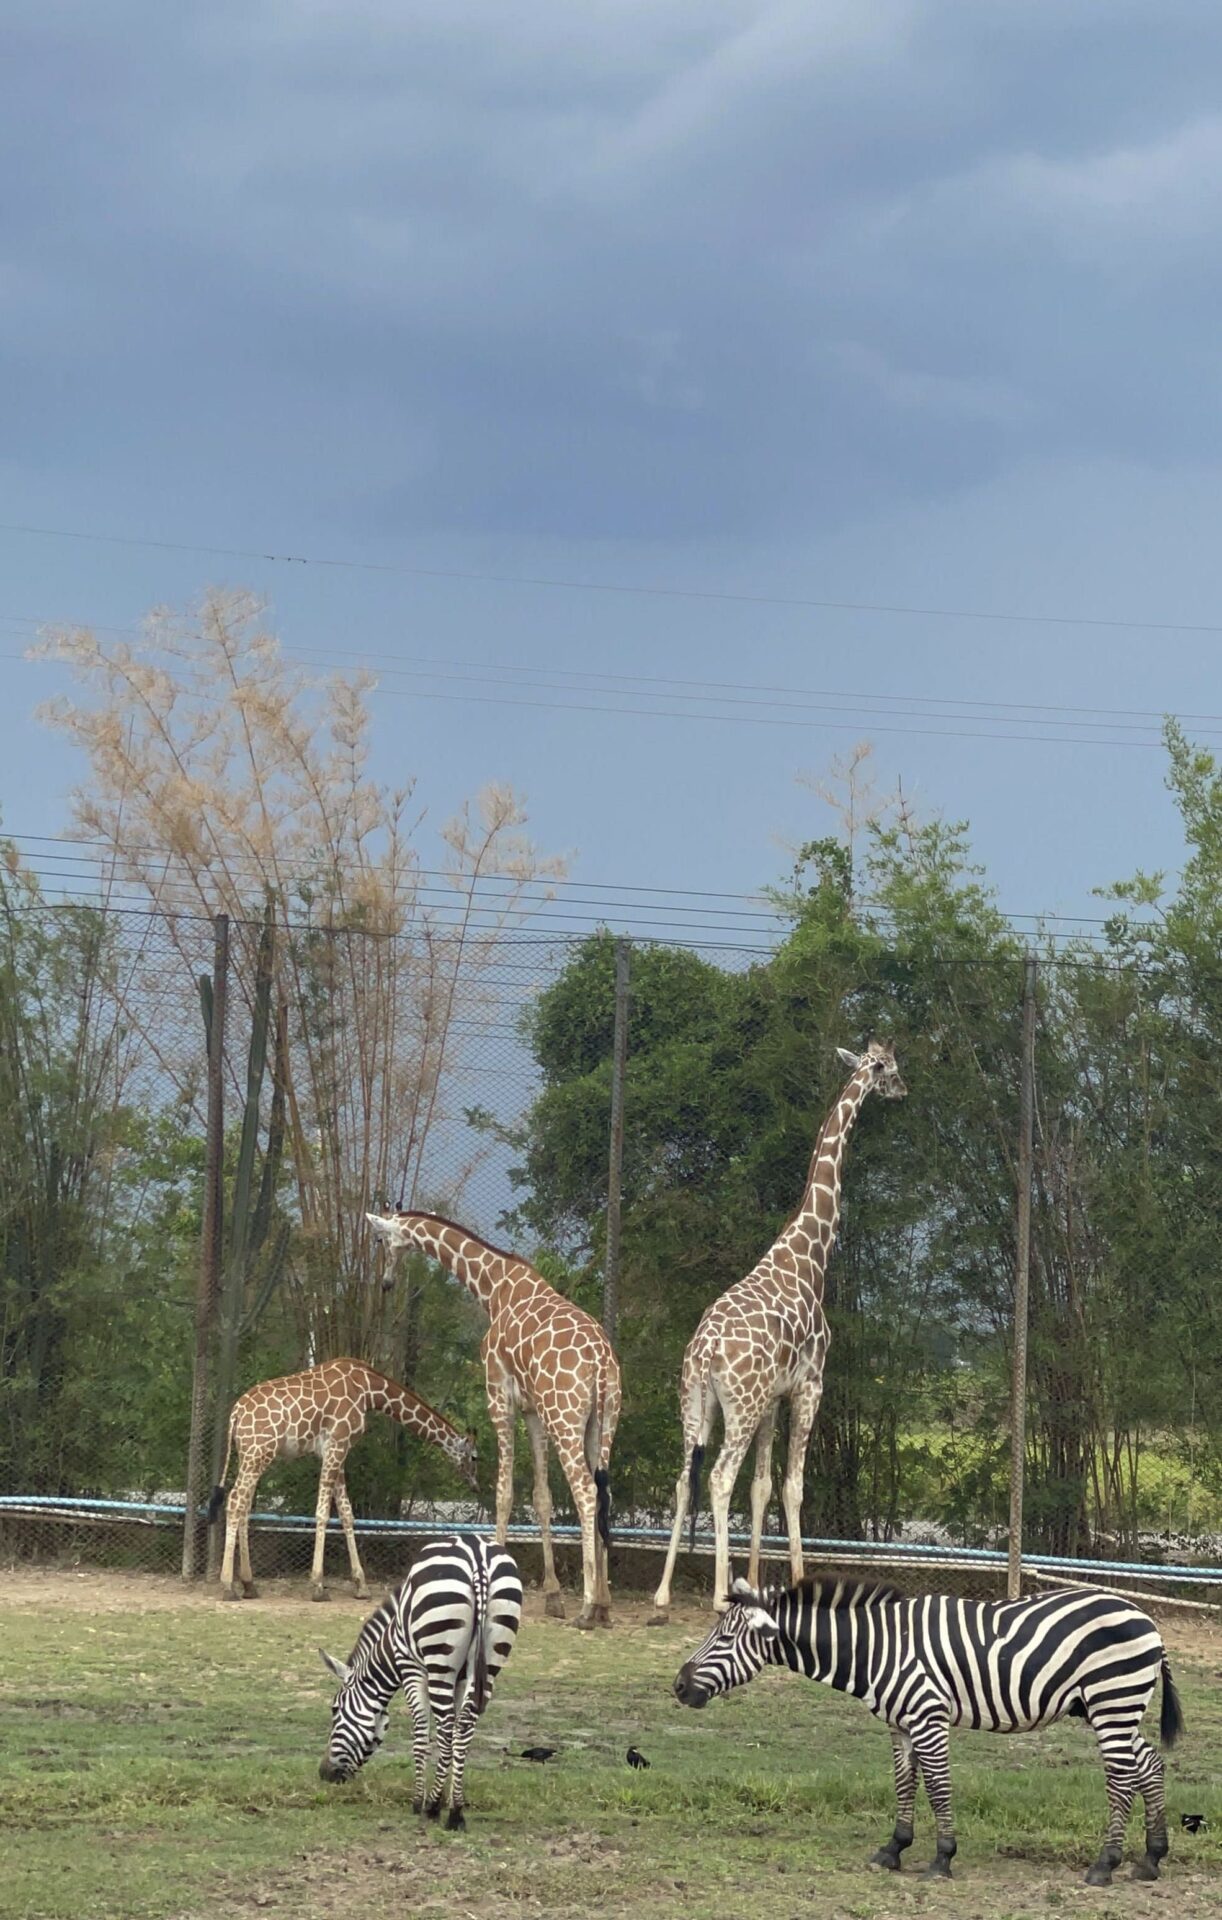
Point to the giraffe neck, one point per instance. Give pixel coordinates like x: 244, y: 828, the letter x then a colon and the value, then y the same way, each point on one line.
x: 819, y: 1212
x: 387, y: 1396
x: 481, y: 1269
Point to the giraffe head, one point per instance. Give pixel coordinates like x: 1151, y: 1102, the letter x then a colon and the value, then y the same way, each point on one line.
x: 879, y: 1059
x: 463, y: 1451
x: 388, y: 1228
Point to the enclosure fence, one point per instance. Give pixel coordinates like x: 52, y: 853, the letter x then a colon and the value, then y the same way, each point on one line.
x: 198, y: 1114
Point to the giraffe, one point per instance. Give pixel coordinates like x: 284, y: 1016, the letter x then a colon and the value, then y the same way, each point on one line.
x: 322, y: 1411
x: 766, y: 1340
x: 546, y: 1357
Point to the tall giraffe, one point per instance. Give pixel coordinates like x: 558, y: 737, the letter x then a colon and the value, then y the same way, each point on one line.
x: 765, y: 1340
x: 546, y: 1357
x: 320, y: 1411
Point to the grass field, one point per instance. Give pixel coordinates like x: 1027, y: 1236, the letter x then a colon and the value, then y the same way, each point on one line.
x: 159, y: 1754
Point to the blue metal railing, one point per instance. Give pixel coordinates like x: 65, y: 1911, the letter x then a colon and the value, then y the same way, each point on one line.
x: 897, y: 1551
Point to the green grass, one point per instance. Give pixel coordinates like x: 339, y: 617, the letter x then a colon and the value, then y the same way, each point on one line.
x: 159, y: 1758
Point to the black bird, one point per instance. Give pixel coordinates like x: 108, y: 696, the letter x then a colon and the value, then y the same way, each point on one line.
x: 538, y: 1753
x: 1194, y: 1823
x: 636, y: 1759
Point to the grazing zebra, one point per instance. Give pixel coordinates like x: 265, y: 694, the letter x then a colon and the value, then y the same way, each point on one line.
x: 928, y: 1663
x: 443, y: 1636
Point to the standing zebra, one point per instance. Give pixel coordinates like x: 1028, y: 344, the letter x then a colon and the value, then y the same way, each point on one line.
x: 443, y: 1636
x: 928, y: 1663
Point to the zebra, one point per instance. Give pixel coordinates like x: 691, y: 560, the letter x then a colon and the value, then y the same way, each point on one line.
x: 926, y: 1663
x: 443, y: 1636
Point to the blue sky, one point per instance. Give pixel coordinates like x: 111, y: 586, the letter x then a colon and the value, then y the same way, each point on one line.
x: 909, y: 304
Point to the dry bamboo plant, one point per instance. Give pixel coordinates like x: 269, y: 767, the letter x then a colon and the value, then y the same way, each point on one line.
x: 223, y: 778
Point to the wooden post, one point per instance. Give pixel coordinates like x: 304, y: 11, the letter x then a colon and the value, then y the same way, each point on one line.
x: 619, y: 1063
x: 213, y: 995
x: 1018, y: 1392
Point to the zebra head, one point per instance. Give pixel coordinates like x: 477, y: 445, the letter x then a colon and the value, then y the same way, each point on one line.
x: 742, y: 1642
x: 359, y: 1717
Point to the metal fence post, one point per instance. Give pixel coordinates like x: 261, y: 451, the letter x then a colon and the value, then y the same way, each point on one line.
x: 619, y: 1063
x: 213, y: 994
x: 1018, y: 1393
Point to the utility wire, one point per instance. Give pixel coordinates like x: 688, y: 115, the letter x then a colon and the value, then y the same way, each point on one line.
x: 611, y: 586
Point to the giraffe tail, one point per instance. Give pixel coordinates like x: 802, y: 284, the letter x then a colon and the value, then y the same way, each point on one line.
x: 693, y: 1490
x: 602, y: 1488
x: 216, y: 1504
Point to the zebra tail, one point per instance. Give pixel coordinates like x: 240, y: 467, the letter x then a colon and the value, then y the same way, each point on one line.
x: 602, y: 1484
x: 693, y: 1491
x: 1171, y: 1719
x: 479, y: 1652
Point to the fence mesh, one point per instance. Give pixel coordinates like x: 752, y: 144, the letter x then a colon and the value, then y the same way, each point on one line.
x: 474, y: 1077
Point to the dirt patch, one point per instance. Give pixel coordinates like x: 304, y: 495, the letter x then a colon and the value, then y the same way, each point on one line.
x: 106, y: 1590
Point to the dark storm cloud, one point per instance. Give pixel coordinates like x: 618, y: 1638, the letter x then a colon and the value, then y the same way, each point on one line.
x: 610, y: 270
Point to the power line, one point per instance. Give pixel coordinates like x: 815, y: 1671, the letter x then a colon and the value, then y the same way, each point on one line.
x: 622, y: 892
x: 889, y: 608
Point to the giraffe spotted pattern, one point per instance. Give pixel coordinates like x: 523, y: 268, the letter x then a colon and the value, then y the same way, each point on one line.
x: 323, y: 1411
x: 765, y: 1340
x: 545, y: 1358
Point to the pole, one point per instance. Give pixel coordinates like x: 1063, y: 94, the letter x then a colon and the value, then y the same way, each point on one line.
x: 1018, y: 1393
x: 619, y: 1063
x: 213, y: 994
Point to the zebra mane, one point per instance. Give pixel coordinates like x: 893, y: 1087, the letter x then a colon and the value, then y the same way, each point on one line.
x: 370, y: 1634
x: 840, y: 1596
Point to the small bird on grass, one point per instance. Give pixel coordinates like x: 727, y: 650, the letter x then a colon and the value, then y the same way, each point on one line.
x: 538, y: 1753
x: 1194, y: 1823
x: 636, y: 1759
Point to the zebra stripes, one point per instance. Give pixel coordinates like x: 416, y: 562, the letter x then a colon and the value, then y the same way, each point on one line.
x: 443, y: 1636
x: 928, y: 1663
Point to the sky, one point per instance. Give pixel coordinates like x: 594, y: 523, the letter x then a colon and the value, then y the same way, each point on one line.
x: 752, y: 323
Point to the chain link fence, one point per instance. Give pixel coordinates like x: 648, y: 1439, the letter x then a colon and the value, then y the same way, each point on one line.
x: 170, y: 1239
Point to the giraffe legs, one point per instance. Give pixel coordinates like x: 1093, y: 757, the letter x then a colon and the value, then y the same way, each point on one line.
x: 803, y: 1407
x: 327, y: 1479
x: 553, y: 1601
x: 500, y: 1412
x: 237, y: 1528
x: 761, y: 1490
x: 721, y: 1486
x: 354, y: 1559
x: 577, y: 1473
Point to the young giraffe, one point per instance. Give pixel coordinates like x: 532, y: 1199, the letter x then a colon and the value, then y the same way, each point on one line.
x: 323, y: 1411
x: 766, y: 1340
x: 545, y: 1356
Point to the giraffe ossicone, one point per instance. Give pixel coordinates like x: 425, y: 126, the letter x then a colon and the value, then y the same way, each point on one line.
x: 321, y: 1410
x: 765, y: 1340
x: 547, y: 1359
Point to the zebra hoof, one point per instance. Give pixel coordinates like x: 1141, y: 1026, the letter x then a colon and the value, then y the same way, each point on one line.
x: 886, y: 1857
x: 455, y: 1822
x: 938, y: 1869
x: 1099, y: 1876
x: 1146, y: 1869
x: 432, y: 1812
x: 553, y: 1606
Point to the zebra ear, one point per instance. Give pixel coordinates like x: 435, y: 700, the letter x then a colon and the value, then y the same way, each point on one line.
x: 852, y: 1060
x: 743, y: 1590
x: 759, y: 1620
x: 342, y: 1672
